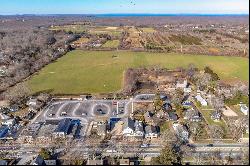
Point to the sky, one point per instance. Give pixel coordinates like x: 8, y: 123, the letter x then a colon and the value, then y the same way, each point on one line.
x: 9, y: 7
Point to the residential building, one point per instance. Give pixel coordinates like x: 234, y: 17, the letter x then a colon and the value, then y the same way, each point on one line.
x: 182, y: 85
x: 29, y: 134
x: 162, y: 114
x: 112, y: 122
x: 186, y: 102
x: 124, y: 162
x: 101, y: 129
x: 8, y: 122
x: 38, y: 161
x: 148, y: 117
x: 244, y: 109
x: 128, y: 127
x: 34, y: 104
x: 151, y: 132
x: 132, y: 128
x: 4, y: 117
x: 94, y: 162
x: 172, y: 116
x: 62, y: 128
x: 216, y: 116
x: 50, y: 162
x: 3, y: 162
x: 26, y: 160
x: 181, y: 131
x: 192, y: 115
x: 200, y: 99
x: 139, y: 132
x: 187, y: 90
x: 3, y: 131
x: 45, y: 133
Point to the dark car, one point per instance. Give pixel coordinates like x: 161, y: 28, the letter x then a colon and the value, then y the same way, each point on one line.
x: 210, y: 145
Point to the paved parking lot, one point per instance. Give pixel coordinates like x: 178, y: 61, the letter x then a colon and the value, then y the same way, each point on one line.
x: 88, y: 110
x: 84, y: 110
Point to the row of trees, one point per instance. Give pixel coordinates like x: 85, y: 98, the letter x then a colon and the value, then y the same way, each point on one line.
x: 25, y: 51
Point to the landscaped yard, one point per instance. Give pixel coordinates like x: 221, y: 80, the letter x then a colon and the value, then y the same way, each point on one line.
x: 101, y: 72
x: 165, y: 126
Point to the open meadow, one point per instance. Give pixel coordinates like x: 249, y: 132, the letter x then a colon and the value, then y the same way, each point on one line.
x: 101, y: 72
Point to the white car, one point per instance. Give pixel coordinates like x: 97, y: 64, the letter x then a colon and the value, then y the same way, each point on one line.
x: 144, y: 145
x: 51, y: 114
x: 84, y: 114
x: 111, y: 151
x: 63, y: 113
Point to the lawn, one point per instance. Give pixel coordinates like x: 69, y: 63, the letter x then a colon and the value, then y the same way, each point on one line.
x: 102, y: 72
x: 111, y: 44
x: 165, y: 126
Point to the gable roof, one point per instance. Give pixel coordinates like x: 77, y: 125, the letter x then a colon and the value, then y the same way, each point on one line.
x: 37, y: 161
x: 63, y: 125
x: 138, y: 126
x: 150, y: 129
x: 128, y: 123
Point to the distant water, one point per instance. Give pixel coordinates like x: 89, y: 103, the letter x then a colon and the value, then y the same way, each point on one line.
x: 128, y: 15
x: 162, y: 15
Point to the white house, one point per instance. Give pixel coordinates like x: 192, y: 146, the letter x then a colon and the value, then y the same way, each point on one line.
x: 200, y: 99
x: 150, y: 132
x: 182, y: 85
x: 139, y: 132
x: 187, y: 90
x: 244, y: 109
x: 8, y: 122
x: 132, y: 128
x: 62, y: 128
x: 128, y: 127
x: 181, y: 131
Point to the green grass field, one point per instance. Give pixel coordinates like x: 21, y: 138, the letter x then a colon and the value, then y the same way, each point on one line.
x: 101, y: 72
x: 111, y: 44
x: 148, y: 30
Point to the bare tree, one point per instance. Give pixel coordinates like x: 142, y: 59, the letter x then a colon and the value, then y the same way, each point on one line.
x: 19, y: 91
x: 217, y: 103
x: 216, y: 132
x: 237, y: 127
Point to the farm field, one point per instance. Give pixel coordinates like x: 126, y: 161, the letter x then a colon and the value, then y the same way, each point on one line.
x: 111, y: 44
x: 102, y: 72
x: 148, y: 30
x: 72, y: 28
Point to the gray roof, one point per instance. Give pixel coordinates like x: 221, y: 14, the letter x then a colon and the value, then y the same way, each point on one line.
x: 3, y: 131
x: 50, y: 162
x: 191, y: 113
x: 172, y: 116
x: 63, y: 125
x: 38, y: 161
x: 101, y: 128
x: 94, y: 162
x: 148, y: 114
x: 138, y: 126
x: 3, y: 162
x: 128, y: 123
x: 216, y: 115
x: 150, y: 129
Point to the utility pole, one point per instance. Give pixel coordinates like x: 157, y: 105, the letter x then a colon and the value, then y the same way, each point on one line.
x: 181, y: 48
x: 132, y: 107
x: 117, y: 108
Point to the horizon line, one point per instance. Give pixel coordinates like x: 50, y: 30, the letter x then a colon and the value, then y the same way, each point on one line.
x: 149, y: 14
